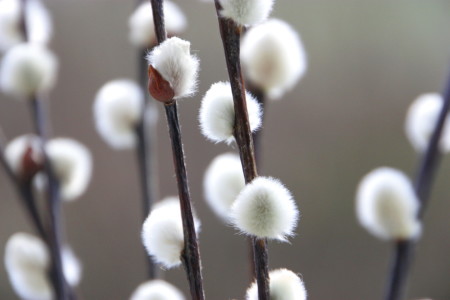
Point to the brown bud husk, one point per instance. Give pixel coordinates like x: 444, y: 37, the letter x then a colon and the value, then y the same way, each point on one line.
x: 158, y: 87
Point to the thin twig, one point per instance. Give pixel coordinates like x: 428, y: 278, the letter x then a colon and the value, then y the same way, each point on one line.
x: 257, y: 135
x: 429, y: 162
x: 54, y: 206
x: 191, y: 254
x: 62, y: 290
x: 145, y: 175
x: 230, y: 33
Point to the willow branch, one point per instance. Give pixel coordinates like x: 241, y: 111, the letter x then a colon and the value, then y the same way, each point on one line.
x: 231, y: 33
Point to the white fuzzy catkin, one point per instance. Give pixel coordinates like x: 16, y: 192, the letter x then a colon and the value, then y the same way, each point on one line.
x: 246, y: 12
x: 157, y: 290
x: 284, y: 285
x: 421, y: 120
x: 217, y: 116
x: 142, y: 28
x: 162, y: 232
x: 265, y: 209
x: 172, y: 59
x: 117, y: 110
x: 26, y: 262
x: 387, y: 206
x: 72, y: 267
x: 72, y: 163
x: 222, y: 183
x: 37, y: 20
x: 27, y: 69
x: 16, y: 149
x: 273, y: 57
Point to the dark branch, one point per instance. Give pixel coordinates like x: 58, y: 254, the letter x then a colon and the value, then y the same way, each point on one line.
x: 231, y: 33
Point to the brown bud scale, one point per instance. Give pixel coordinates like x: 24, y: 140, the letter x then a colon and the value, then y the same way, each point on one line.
x: 158, y: 87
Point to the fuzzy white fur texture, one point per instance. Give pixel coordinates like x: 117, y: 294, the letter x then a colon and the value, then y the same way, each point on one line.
x: 72, y: 267
x: 246, y: 12
x: 28, y: 69
x: 26, y: 261
x: 162, y: 232
x: 387, y: 206
x: 222, y: 183
x: 72, y: 164
x: 117, y: 110
x: 273, y: 57
x: 173, y: 60
x: 421, y: 120
x: 217, y: 113
x: 284, y: 285
x: 37, y: 20
x: 16, y: 150
x: 142, y: 28
x: 265, y: 208
x: 157, y: 290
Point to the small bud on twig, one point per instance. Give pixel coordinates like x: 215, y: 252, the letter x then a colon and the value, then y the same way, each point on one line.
x: 173, y: 70
x: 387, y: 205
x: 142, y: 28
x: 217, y: 116
x: 273, y: 57
x: 157, y: 290
x: 246, y: 12
x: 117, y: 111
x: 265, y: 209
x: 421, y: 121
x: 37, y: 21
x: 222, y: 183
x: 24, y: 155
x: 27, y: 70
x: 284, y: 285
x: 162, y: 232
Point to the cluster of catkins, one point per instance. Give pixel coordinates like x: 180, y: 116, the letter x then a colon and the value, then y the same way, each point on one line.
x: 28, y: 71
x: 386, y: 203
x: 273, y: 61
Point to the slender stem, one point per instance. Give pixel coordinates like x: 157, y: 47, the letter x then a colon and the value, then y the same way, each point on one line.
x: 230, y: 33
x: 401, y: 261
x: 61, y: 287
x: 54, y: 206
x: 158, y: 20
x: 191, y: 254
x: 403, y: 252
x: 143, y: 157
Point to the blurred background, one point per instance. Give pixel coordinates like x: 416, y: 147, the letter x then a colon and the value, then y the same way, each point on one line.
x: 367, y: 61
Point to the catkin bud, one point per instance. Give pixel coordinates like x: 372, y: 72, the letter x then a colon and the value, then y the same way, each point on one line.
x: 117, y: 111
x: 72, y: 164
x: 421, y: 121
x: 162, y: 232
x: 37, y: 20
x: 284, y: 285
x: 172, y: 70
x: 246, y: 12
x: 273, y: 57
x: 142, y: 28
x: 27, y: 261
x: 265, y: 209
x: 222, y: 183
x: 387, y: 206
x: 24, y: 156
x: 217, y: 116
x: 157, y: 290
x: 27, y: 69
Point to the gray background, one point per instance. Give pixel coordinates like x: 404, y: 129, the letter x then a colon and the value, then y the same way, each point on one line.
x: 367, y: 61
